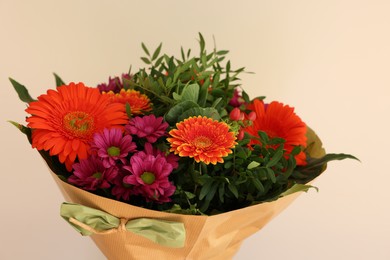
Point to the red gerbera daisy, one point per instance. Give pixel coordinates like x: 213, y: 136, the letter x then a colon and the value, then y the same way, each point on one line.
x: 279, y: 120
x: 139, y: 103
x: 64, y: 120
x: 204, y: 139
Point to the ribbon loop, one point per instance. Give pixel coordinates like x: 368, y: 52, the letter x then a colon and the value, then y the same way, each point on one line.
x: 92, y: 221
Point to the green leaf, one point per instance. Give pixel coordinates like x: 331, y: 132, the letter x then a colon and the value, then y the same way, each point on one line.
x: 199, y: 111
x: 209, y: 197
x: 176, y: 96
x: 276, y: 157
x: 203, y: 93
x: 258, y: 185
x: 271, y: 175
x: 315, y: 166
x: 145, y: 49
x: 201, y: 43
x: 221, y: 192
x: 157, y: 52
x: 25, y: 130
x: 22, y: 91
x: 205, y: 189
x: 233, y: 189
x: 146, y: 60
x: 190, y: 93
x: 263, y: 137
x: 245, y: 96
x: 59, y: 81
x: 128, y: 109
x: 189, y: 195
x: 158, y: 62
x: 182, y: 54
x: 297, y: 188
x: 216, y: 102
x: 252, y: 165
x: 222, y: 52
x: 327, y: 158
x: 177, y: 110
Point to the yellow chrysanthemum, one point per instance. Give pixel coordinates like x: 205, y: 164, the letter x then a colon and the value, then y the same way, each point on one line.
x: 139, y: 103
x: 202, y: 138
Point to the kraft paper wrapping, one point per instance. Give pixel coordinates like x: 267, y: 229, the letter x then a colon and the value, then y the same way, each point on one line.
x: 207, y: 237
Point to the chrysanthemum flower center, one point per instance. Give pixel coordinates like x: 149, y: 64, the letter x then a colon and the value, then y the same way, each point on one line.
x: 78, y: 123
x: 202, y: 142
x: 148, y: 177
x: 97, y: 175
x: 113, y: 151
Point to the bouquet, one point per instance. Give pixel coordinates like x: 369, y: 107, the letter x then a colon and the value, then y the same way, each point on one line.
x: 174, y: 160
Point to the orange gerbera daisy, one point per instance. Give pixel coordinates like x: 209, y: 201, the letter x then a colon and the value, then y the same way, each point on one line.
x: 64, y: 120
x: 139, y: 103
x: 279, y: 120
x: 204, y: 139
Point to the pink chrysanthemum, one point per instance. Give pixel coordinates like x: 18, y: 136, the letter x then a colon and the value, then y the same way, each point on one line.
x: 149, y: 177
x: 148, y: 127
x: 170, y: 157
x: 111, y: 146
x: 90, y: 174
x: 121, y: 190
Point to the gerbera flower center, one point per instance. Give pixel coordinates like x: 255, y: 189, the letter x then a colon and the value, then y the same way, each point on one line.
x: 202, y: 142
x: 113, y: 151
x: 78, y: 123
x: 148, y: 177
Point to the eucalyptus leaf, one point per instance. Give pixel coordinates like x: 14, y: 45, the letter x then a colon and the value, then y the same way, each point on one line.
x: 199, y: 111
x: 176, y: 111
x: 190, y: 93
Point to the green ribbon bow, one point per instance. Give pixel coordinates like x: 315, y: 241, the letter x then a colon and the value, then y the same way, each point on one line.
x: 92, y: 221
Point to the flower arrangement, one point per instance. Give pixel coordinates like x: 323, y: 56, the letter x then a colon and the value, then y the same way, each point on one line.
x: 180, y: 136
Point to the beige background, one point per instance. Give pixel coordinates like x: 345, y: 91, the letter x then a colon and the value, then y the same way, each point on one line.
x: 330, y: 59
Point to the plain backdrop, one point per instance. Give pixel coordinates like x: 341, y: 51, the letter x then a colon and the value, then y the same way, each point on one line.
x: 329, y: 59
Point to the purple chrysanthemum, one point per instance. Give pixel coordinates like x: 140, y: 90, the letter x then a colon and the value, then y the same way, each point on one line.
x: 170, y: 157
x: 121, y: 190
x: 148, y: 127
x: 90, y: 174
x: 114, y: 84
x: 111, y: 146
x: 237, y: 99
x: 149, y: 177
